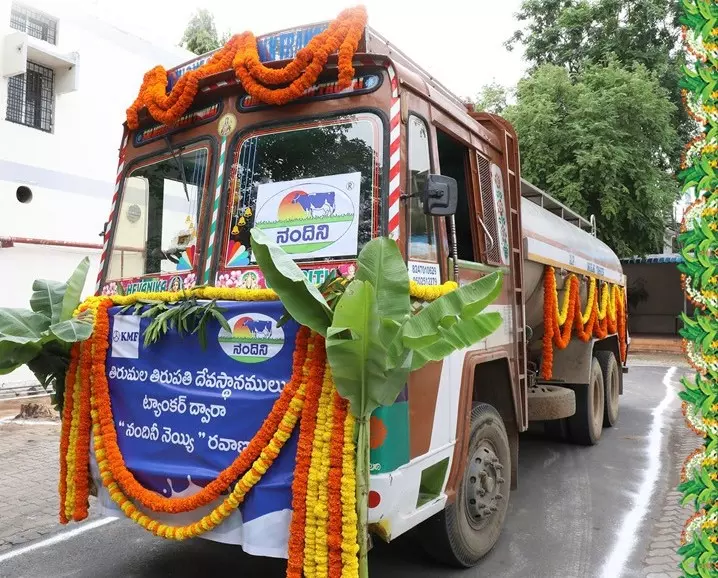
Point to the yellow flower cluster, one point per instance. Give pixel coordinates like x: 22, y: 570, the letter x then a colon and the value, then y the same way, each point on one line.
x: 316, y: 554
x: 350, y: 547
x: 71, y: 453
x: 220, y: 293
x: 607, y: 306
x: 431, y: 292
x: 230, y: 504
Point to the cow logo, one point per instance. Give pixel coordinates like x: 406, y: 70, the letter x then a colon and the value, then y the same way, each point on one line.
x: 312, y: 218
x: 255, y: 338
x: 125, y: 337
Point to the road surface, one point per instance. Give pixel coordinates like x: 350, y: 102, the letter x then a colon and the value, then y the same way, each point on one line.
x: 577, y: 513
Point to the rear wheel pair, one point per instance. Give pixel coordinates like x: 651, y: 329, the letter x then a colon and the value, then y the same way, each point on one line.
x: 596, y: 403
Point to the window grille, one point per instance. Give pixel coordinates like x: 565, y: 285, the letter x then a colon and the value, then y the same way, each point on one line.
x: 34, y: 23
x: 31, y: 97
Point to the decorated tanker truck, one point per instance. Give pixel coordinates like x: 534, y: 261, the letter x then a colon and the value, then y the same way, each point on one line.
x: 327, y: 306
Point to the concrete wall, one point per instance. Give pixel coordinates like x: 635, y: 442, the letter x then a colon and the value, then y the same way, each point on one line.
x: 70, y: 171
x: 655, y: 298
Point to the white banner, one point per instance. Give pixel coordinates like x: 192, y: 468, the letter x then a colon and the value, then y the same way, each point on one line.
x: 316, y: 217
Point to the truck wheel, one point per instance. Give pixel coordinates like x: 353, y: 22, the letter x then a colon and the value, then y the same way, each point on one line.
x: 611, y: 384
x: 467, y: 529
x: 584, y: 427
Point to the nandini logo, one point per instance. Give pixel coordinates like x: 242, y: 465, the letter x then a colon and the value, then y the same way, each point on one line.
x: 315, y: 217
x: 125, y: 336
x: 255, y: 338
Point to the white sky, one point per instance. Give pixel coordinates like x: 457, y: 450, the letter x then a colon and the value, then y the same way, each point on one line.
x: 460, y: 42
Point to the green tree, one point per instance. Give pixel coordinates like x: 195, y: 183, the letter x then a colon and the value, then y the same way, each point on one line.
x: 580, y: 33
x: 200, y: 36
x: 493, y: 98
x: 599, y: 140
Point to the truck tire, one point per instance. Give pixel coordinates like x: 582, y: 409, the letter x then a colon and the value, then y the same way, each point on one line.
x: 466, y: 530
x: 585, y: 426
x: 611, y: 385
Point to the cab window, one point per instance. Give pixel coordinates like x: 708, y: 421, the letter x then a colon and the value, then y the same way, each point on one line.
x: 158, y: 214
x: 312, y: 188
x: 422, y: 236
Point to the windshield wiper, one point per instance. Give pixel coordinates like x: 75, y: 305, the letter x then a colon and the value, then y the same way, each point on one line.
x: 180, y: 165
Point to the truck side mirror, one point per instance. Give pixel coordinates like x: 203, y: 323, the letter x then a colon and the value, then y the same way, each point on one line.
x: 440, y: 196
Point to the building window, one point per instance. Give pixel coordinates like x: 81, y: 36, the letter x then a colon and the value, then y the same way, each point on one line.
x: 34, y: 23
x: 31, y: 97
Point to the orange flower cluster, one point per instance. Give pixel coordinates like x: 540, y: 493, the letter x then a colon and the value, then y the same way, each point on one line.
x: 602, y: 320
x: 157, y: 503
x: 319, y: 543
x: 334, y: 486
x: 307, y: 425
x: 74, y: 484
x: 240, y: 54
x: 235, y: 498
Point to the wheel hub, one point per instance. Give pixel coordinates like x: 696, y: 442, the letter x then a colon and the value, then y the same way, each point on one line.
x: 483, y: 483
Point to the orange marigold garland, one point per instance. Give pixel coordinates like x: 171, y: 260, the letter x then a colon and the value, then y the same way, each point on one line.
x: 240, y: 54
x: 82, y: 465
x: 334, y: 486
x: 267, y: 455
x: 560, y: 323
x: 295, y: 562
x: 157, y: 503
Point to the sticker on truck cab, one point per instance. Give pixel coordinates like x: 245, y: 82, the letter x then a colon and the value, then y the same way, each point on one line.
x: 308, y: 218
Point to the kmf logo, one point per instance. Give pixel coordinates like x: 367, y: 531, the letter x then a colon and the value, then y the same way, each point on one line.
x: 126, y: 336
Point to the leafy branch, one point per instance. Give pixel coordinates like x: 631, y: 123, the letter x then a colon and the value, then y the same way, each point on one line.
x: 187, y: 317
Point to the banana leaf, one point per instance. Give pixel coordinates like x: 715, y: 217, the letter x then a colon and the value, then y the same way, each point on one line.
x: 47, y: 298
x: 460, y: 335
x: 381, y: 264
x: 73, y: 293
x: 358, y: 357
x: 71, y: 330
x: 424, y: 328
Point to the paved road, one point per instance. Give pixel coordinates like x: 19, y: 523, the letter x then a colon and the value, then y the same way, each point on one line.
x: 563, y: 520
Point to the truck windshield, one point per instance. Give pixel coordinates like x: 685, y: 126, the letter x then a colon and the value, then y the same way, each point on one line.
x: 157, y: 217
x: 313, y: 188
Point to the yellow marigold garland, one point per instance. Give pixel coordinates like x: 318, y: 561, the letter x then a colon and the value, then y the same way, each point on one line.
x: 228, y: 505
x: 597, y: 319
x: 417, y: 291
x: 350, y: 547
x: 313, y: 532
x: 430, y: 292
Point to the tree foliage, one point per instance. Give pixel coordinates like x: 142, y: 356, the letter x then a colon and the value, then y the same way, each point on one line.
x: 200, y: 35
x: 599, y: 140
x: 581, y: 33
x: 493, y: 98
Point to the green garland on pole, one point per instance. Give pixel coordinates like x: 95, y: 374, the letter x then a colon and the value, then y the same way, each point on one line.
x: 699, y: 248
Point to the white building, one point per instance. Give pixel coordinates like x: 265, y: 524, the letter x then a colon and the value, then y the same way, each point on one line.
x: 66, y: 78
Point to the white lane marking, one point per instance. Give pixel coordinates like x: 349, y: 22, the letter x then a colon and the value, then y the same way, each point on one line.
x: 64, y: 536
x: 626, y: 538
